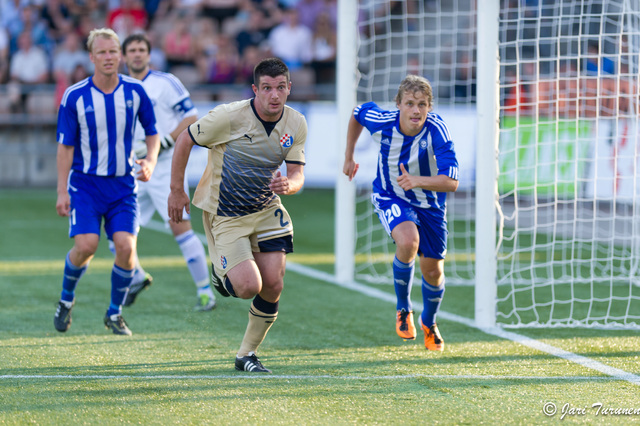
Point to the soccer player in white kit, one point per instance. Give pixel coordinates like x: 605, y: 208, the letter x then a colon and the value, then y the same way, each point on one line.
x: 174, y: 112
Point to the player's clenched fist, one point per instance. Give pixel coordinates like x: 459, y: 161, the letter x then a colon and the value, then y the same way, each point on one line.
x: 279, y: 184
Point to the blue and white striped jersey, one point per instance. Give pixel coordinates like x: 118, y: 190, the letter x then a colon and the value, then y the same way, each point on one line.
x: 101, y: 126
x: 429, y: 153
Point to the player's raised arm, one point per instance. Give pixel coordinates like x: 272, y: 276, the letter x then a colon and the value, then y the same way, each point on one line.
x: 354, y: 130
x: 178, y: 199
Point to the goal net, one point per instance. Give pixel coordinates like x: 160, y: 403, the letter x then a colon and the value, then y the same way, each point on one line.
x: 567, y: 225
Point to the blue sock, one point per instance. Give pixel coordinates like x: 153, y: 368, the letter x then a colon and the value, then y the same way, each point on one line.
x: 120, y: 282
x: 431, y: 299
x: 70, y: 279
x: 140, y: 274
x: 402, y: 282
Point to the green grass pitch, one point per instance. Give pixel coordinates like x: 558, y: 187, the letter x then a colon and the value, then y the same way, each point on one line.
x: 333, y: 351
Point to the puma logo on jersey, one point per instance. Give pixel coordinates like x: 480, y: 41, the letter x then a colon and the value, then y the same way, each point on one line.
x: 199, y: 132
x: 248, y: 137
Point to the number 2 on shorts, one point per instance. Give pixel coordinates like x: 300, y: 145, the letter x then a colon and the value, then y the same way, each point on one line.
x: 282, y: 222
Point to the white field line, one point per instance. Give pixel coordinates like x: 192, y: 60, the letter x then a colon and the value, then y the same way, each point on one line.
x: 494, y: 331
x: 297, y: 377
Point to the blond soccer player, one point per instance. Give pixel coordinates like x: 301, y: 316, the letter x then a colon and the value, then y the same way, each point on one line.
x: 96, y: 178
x: 417, y: 167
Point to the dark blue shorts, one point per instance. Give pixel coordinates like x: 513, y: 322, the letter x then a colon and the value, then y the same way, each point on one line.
x: 432, y: 223
x: 94, y: 198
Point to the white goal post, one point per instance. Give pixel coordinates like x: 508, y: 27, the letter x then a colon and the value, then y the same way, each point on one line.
x: 542, y: 100
x: 347, y: 82
x: 487, y: 112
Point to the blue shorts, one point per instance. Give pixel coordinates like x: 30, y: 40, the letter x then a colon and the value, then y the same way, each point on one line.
x: 96, y: 197
x: 432, y: 223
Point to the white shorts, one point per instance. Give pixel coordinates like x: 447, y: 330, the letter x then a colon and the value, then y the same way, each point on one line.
x: 154, y: 195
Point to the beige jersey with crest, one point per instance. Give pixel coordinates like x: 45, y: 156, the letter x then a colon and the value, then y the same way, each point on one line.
x: 243, y: 158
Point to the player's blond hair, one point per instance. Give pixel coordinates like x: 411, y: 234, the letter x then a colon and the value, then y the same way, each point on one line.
x: 412, y: 84
x: 102, y: 33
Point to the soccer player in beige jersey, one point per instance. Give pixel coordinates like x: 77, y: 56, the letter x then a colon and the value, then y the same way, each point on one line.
x: 248, y: 229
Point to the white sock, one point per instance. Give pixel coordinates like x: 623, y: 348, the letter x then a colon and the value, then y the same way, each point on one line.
x: 206, y: 290
x: 195, y: 256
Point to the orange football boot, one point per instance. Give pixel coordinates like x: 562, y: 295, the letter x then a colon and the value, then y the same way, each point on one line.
x: 404, y: 325
x: 432, y: 338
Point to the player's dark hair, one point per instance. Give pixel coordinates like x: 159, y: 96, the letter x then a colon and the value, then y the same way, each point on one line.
x: 271, y: 67
x: 412, y: 84
x: 136, y: 37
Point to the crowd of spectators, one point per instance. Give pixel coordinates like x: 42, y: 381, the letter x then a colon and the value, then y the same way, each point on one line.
x: 204, y: 41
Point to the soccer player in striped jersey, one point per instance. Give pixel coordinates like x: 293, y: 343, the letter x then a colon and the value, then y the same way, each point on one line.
x: 417, y: 166
x: 174, y: 112
x: 96, y: 178
x: 248, y: 229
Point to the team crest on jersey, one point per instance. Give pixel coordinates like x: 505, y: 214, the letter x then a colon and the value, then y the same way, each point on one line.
x: 223, y: 262
x: 423, y: 144
x: 129, y: 103
x: 286, y: 141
